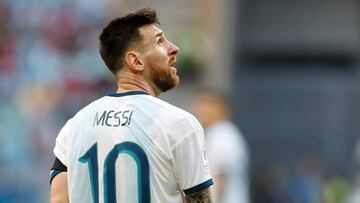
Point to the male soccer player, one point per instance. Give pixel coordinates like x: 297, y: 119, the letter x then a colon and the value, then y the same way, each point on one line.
x: 130, y: 146
x: 227, y: 149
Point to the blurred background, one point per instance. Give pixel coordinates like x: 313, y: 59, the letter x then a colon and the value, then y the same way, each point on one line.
x: 290, y: 70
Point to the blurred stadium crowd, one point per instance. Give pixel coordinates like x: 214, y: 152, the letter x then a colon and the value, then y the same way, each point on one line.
x: 50, y: 68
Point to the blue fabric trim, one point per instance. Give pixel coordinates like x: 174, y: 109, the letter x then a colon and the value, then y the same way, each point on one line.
x: 199, y: 187
x: 127, y: 94
x: 54, y: 173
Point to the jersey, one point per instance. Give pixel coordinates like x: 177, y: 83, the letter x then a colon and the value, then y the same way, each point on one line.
x: 132, y: 147
x: 225, y: 138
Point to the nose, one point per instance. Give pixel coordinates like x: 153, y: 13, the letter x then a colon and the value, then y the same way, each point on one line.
x: 173, y: 49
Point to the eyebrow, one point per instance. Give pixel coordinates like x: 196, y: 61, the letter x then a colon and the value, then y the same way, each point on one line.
x: 159, y: 34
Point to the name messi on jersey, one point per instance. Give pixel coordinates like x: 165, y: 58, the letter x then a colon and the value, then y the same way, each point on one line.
x: 113, y: 118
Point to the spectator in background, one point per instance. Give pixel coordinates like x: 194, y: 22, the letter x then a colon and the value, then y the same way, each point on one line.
x: 227, y: 150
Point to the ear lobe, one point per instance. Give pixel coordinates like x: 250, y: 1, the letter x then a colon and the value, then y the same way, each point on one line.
x: 133, y: 61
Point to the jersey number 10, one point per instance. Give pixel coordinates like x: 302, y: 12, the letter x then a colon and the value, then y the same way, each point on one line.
x: 143, y: 174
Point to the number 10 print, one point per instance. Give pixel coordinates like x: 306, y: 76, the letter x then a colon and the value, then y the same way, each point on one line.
x: 143, y: 173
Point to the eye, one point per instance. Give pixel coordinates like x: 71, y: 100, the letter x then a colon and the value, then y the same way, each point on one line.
x: 160, y: 41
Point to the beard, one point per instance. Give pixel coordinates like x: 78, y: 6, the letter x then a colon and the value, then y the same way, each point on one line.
x: 165, y: 79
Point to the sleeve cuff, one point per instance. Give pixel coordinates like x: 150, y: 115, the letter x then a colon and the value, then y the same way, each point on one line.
x: 54, y: 173
x: 199, y: 187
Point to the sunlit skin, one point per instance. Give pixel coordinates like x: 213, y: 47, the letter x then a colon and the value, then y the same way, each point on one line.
x: 209, y: 109
x: 59, y: 189
x: 149, y: 65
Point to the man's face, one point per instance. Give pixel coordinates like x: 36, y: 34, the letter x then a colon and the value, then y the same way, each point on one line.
x: 159, y: 57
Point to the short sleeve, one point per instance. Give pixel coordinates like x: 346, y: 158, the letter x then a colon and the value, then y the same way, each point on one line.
x: 60, y: 149
x: 191, y: 163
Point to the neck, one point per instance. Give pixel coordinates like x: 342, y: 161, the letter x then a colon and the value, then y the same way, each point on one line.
x: 215, y: 119
x: 128, y: 81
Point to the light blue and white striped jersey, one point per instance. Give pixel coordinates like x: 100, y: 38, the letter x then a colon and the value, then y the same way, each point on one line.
x: 132, y: 147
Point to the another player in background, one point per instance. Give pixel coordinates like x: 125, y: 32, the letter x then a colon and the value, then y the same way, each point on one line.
x: 130, y: 146
x: 227, y: 150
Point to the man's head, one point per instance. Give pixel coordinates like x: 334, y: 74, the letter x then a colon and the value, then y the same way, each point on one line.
x: 133, y: 43
x: 209, y: 107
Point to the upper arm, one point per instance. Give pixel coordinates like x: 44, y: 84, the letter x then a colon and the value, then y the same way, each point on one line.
x: 202, y: 196
x: 58, y: 183
x: 190, y: 162
x: 59, y: 189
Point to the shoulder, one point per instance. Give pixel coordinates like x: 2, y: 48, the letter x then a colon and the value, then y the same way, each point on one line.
x: 177, y: 122
x: 225, y: 136
x: 181, y: 119
x: 173, y: 116
x: 228, y: 131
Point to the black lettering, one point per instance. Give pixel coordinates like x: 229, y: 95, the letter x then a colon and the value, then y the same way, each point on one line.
x: 130, y: 117
x: 125, y: 117
x: 97, y: 120
x: 107, y: 117
x: 117, y: 118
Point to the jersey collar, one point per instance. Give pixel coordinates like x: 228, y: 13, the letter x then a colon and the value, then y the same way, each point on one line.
x: 123, y: 94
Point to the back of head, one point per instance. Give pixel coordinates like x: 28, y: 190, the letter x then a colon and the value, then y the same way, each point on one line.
x: 121, y: 34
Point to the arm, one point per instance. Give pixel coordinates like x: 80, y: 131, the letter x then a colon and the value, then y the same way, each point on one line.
x: 191, y: 167
x: 203, y: 196
x: 58, y: 175
x: 219, y: 189
x: 59, y: 189
x: 58, y: 183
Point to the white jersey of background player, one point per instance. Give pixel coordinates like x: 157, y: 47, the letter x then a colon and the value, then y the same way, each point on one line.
x: 227, y: 149
x: 130, y: 146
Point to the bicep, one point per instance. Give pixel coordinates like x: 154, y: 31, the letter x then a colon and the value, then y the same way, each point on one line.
x: 58, y: 183
x: 59, y: 189
x: 202, y: 196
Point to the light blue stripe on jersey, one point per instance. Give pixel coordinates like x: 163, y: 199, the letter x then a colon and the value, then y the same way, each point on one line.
x: 199, y: 187
x: 127, y: 93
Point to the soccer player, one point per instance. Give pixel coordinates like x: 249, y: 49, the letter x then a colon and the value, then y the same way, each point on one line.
x: 223, y: 137
x: 130, y: 146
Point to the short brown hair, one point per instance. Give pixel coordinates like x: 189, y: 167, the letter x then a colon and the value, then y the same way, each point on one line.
x: 120, y: 33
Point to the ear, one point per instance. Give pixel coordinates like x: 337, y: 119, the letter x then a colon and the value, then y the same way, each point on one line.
x: 134, y: 62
